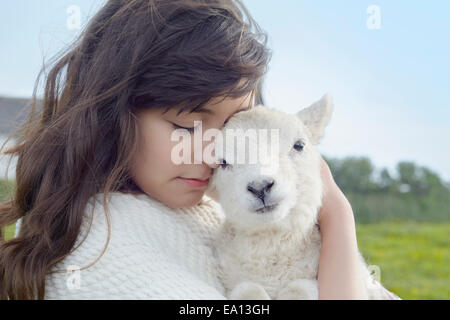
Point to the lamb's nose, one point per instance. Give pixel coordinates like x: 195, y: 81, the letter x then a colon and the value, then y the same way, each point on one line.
x: 260, y: 189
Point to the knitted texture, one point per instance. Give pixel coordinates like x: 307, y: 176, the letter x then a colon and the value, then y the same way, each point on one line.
x: 154, y: 252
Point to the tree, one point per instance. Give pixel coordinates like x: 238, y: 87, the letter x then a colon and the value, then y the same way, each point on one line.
x: 386, y: 182
x: 421, y: 179
x: 407, y: 172
x: 355, y: 174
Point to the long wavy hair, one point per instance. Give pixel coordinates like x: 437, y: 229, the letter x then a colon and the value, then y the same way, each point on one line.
x: 132, y: 54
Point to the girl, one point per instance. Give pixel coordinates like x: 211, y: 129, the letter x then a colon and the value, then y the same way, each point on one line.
x: 104, y: 211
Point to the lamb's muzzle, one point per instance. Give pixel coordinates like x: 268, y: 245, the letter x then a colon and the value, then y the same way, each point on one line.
x: 260, y: 189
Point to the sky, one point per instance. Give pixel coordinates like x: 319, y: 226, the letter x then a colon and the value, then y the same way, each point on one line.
x: 386, y: 64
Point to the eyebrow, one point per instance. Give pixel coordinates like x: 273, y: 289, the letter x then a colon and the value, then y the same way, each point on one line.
x: 208, y: 111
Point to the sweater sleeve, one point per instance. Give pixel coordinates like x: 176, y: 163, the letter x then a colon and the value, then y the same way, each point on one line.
x: 153, y: 253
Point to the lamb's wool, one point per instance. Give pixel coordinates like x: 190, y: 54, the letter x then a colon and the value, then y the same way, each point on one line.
x: 154, y: 252
x: 269, y: 244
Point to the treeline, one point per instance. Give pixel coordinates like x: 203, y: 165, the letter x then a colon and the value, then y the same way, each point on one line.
x: 412, y: 192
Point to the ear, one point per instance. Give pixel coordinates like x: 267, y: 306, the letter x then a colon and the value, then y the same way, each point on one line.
x: 316, y: 117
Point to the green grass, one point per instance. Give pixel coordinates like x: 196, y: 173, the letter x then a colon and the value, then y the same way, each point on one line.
x: 9, y: 231
x: 414, y: 258
x: 5, y: 188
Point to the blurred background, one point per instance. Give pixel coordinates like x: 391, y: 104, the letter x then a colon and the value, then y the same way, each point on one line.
x: 386, y: 64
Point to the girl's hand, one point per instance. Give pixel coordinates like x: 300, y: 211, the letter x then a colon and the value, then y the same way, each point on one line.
x: 340, y: 275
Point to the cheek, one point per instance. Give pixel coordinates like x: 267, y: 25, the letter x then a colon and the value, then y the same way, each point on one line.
x: 154, y: 154
x: 159, y: 147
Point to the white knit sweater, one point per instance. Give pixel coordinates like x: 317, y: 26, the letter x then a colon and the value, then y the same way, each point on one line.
x: 154, y: 252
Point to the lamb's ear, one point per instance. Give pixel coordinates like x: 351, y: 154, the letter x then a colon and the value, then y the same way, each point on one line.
x: 317, y: 116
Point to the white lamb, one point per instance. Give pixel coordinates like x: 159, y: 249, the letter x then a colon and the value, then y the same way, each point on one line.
x: 269, y: 244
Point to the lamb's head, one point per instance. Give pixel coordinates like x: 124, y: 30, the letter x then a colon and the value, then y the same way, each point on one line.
x: 262, y: 193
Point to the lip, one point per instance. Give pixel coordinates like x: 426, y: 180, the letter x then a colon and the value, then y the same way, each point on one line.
x: 194, y: 182
x: 265, y: 209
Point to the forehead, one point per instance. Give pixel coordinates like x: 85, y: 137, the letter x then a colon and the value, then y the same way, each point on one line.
x: 265, y: 117
x: 216, y: 106
x: 263, y: 122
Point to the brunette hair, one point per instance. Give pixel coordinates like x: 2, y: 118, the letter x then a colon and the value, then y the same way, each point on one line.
x: 132, y: 54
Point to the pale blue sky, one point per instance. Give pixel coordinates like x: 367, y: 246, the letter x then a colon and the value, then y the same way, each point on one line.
x: 391, y: 86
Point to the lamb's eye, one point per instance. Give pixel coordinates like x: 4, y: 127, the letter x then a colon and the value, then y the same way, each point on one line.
x: 298, y: 145
x: 223, y: 163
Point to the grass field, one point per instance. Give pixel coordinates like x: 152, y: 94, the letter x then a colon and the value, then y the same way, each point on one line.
x: 413, y: 257
x: 9, y: 232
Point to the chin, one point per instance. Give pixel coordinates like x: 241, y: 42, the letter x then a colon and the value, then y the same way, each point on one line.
x: 197, y: 198
x: 188, y: 200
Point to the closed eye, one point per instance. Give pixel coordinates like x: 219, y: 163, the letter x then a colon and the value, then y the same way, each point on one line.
x: 180, y: 127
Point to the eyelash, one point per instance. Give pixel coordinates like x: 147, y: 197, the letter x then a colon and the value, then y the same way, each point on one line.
x: 180, y: 127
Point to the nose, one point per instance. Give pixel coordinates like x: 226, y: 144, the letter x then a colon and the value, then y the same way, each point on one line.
x: 261, y: 188
x: 213, y: 165
x: 211, y: 161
